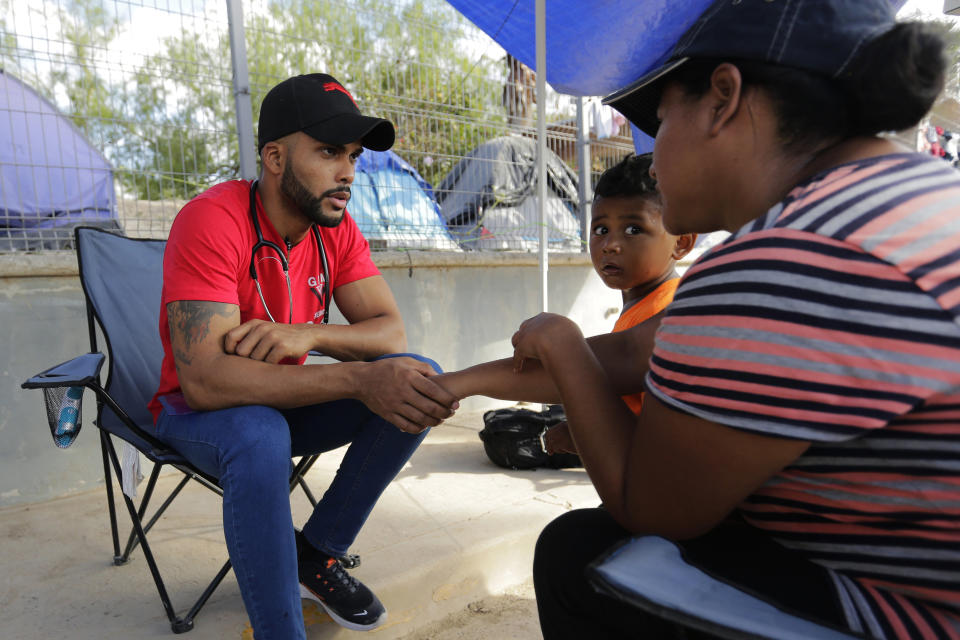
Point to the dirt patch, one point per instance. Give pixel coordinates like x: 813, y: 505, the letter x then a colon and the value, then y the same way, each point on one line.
x: 511, y: 615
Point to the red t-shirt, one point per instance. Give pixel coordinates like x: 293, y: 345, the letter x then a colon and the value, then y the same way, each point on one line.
x: 207, y: 257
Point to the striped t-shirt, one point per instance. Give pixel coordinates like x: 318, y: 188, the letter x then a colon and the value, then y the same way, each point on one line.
x: 834, y: 319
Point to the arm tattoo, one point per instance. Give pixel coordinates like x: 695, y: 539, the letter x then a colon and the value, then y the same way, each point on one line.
x: 189, y: 322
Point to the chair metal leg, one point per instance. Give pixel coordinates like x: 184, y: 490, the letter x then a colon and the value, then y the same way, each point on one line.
x: 139, y: 529
x: 166, y: 503
x: 297, y: 476
x: 175, y: 622
x: 202, y: 600
x: 108, y: 483
x: 307, y: 492
x: 186, y: 623
x: 144, y: 501
x: 132, y: 542
x: 309, y: 465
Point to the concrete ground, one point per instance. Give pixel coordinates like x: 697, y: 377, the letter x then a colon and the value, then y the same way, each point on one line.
x: 448, y: 549
x: 511, y: 615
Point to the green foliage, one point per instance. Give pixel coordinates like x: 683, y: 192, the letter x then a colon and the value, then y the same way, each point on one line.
x: 73, y: 81
x: 8, y: 40
x: 169, y: 128
x: 399, y: 60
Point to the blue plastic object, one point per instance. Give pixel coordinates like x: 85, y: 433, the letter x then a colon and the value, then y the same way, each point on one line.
x: 68, y: 420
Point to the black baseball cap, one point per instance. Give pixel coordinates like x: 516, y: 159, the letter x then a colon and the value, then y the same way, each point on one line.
x: 321, y: 107
x: 820, y: 36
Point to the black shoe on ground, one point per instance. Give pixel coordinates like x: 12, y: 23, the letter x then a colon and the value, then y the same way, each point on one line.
x: 348, y: 601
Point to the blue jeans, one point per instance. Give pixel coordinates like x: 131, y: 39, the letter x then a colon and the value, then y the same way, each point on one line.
x: 249, y: 449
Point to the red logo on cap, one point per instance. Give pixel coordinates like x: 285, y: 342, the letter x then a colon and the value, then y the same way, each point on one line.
x: 333, y: 86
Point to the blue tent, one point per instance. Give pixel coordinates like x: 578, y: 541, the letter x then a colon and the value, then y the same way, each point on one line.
x: 51, y: 178
x: 394, y: 206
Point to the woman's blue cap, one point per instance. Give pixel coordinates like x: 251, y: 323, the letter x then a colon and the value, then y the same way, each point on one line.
x: 820, y: 36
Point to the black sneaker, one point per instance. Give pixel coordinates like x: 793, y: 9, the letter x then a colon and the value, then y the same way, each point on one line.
x: 348, y: 601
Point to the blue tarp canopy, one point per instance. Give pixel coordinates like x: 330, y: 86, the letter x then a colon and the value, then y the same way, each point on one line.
x: 51, y: 178
x: 394, y: 206
x: 593, y: 48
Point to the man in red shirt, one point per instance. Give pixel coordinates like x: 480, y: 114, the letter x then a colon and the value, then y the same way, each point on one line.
x: 249, y: 272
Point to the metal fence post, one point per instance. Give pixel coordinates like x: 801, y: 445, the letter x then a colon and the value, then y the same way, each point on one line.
x: 241, y: 91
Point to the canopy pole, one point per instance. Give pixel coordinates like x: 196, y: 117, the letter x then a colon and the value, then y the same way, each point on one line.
x: 541, y: 33
x: 584, y: 188
x: 241, y: 90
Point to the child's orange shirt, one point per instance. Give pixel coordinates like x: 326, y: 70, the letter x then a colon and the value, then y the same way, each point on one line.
x: 643, y: 309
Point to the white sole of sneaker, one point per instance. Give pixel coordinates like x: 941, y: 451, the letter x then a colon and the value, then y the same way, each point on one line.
x: 305, y: 593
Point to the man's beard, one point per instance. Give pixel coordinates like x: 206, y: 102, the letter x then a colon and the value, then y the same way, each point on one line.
x: 308, y: 204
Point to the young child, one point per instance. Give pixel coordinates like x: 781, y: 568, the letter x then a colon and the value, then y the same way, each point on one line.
x: 631, y: 251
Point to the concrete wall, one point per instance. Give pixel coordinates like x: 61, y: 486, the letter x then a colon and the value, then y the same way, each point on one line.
x: 460, y: 309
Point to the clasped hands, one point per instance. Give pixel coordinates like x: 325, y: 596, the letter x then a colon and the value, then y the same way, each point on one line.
x: 397, y: 389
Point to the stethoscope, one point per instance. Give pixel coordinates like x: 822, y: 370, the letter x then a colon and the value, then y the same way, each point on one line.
x: 283, y: 262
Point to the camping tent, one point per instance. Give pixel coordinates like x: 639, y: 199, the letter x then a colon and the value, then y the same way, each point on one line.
x: 489, y: 198
x: 51, y: 178
x: 394, y: 206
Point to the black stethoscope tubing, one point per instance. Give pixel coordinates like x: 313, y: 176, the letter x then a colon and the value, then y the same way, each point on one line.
x: 261, y: 242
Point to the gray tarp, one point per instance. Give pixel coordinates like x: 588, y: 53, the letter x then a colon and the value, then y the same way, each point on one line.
x: 489, y: 198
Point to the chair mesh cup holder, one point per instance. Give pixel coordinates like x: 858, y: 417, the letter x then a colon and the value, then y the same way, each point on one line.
x: 63, y: 413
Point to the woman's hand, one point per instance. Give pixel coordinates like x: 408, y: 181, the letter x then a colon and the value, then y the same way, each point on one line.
x: 542, y: 335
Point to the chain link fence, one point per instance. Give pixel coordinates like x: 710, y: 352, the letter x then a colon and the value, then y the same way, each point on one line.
x: 119, y: 111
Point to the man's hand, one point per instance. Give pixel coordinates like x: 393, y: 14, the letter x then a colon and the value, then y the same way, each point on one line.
x: 558, y: 439
x: 400, y: 391
x: 268, y: 341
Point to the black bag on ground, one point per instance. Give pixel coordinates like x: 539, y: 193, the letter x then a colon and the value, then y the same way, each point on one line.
x: 512, y: 438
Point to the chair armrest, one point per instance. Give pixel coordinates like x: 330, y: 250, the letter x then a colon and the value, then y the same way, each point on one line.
x: 650, y: 574
x: 72, y: 373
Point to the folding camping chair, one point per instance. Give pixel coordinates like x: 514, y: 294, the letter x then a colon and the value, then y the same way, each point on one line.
x: 650, y: 573
x: 122, y: 280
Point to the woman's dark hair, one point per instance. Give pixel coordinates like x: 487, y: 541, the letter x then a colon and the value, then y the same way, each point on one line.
x: 629, y: 177
x: 890, y: 85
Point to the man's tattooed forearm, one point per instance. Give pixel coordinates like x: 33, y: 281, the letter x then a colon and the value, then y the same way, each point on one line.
x: 190, y: 324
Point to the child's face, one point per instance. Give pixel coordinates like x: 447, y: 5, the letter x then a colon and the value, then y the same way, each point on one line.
x: 629, y: 247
